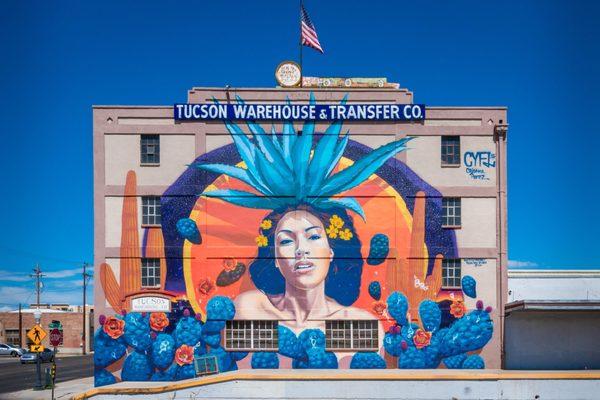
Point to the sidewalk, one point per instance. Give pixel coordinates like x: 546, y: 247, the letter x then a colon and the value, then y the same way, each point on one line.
x: 62, y: 391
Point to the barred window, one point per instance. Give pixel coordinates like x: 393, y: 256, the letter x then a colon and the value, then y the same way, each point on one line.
x: 451, y: 273
x: 150, y: 272
x: 451, y: 211
x: 206, y: 365
x: 251, y: 335
x: 12, y: 337
x: 150, y: 210
x: 150, y: 149
x: 352, y: 335
x: 451, y: 150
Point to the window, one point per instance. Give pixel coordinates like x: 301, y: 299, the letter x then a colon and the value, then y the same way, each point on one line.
x: 150, y: 210
x: 251, y: 335
x: 150, y: 149
x: 12, y: 337
x: 150, y: 272
x: 451, y: 212
x: 451, y: 150
x: 352, y: 335
x: 206, y: 365
x: 450, y: 273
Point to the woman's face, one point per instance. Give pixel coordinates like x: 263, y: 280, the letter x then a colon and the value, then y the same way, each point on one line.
x: 302, y: 249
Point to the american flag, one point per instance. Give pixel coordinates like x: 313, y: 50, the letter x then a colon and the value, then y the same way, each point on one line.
x: 309, y: 34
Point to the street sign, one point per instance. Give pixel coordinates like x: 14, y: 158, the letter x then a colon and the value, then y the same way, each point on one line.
x: 36, y: 348
x: 56, y: 337
x: 36, y: 334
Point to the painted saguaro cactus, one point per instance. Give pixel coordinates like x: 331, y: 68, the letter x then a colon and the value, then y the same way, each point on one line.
x: 130, y: 277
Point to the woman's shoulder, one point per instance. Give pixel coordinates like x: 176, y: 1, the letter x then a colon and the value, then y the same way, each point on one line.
x: 349, y: 312
x: 253, y: 304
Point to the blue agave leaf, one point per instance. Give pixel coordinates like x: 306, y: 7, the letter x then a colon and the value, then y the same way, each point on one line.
x: 276, y: 180
x: 234, y: 172
x: 362, y: 169
x: 275, y: 140
x: 322, y: 155
x: 244, y: 199
x: 343, y: 202
x: 338, y: 152
x: 289, y: 139
x: 301, y: 155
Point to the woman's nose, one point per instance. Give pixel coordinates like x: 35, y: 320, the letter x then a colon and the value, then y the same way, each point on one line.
x: 301, y: 252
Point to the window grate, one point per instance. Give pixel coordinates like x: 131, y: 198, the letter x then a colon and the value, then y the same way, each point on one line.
x: 151, y: 210
x: 451, y: 150
x: 451, y: 273
x: 451, y: 212
x: 150, y: 272
x: 352, y: 335
x: 150, y: 149
x: 251, y: 335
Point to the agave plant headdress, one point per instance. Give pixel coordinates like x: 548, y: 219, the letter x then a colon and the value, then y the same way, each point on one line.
x: 286, y: 173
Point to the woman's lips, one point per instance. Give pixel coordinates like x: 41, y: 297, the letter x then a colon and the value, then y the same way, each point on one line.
x: 302, y: 267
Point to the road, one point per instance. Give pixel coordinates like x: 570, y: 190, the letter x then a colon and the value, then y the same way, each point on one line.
x: 16, y: 376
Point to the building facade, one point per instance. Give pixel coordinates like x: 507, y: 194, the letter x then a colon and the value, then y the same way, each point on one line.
x: 14, y: 326
x: 303, y: 248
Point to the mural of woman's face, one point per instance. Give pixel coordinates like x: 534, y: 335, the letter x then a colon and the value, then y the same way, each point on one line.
x: 302, y: 249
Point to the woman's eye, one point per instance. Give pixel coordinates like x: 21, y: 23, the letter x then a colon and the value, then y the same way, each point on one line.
x: 314, y: 237
x: 283, y: 242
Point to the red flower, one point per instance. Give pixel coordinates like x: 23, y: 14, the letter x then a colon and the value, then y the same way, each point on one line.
x: 206, y: 286
x: 458, y: 309
x: 158, y: 321
x: 422, y: 338
x: 113, y: 327
x: 379, y: 307
x: 184, y: 355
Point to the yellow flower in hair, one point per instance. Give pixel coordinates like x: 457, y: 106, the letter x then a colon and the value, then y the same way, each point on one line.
x: 346, y: 234
x: 262, y: 241
x: 336, y: 221
x: 266, y: 224
x: 332, y: 232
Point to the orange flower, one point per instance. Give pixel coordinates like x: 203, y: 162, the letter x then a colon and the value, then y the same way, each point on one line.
x: 113, y: 327
x: 184, y: 355
x: 206, y: 286
x: 458, y: 309
x: 422, y: 338
x: 379, y: 307
x: 229, y: 264
x: 158, y: 321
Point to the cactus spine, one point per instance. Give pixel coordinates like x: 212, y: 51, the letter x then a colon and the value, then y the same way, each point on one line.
x: 130, y: 273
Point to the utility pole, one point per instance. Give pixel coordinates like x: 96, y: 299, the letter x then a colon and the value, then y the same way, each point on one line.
x: 38, y: 316
x: 20, y: 327
x: 85, y: 277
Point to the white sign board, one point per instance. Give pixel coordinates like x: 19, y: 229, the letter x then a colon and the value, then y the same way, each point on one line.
x: 150, y: 304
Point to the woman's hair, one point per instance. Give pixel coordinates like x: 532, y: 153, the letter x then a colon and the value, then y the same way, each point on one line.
x: 343, y: 279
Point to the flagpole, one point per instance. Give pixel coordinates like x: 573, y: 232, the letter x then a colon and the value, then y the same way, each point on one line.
x: 301, y: 71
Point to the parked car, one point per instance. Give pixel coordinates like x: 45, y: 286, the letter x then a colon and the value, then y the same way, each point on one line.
x: 45, y: 356
x: 8, y: 350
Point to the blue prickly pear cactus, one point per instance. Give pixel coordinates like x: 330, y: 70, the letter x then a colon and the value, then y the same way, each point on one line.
x: 185, y: 372
x: 318, y: 358
x: 375, y: 290
x: 163, y: 351
x: 468, y: 333
x: 137, y: 331
x: 469, y: 286
x: 102, y: 378
x: 391, y: 343
x: 137, y: 367
x: 455, y: 362
x: 213, y: 340
x: 367, y: 361
x: 398, y: 307
x: 220, y: 308
x: 107, y: 350
x: 224, y: 359
x: 265, y: 360
x: 379, y: 249
x: 187, y: 331
x: 412, y: 358
x: 289, y: 345
x: 188, y: 230
x: 311, y: 338
x: 473, y: 362
x: 431, y: 315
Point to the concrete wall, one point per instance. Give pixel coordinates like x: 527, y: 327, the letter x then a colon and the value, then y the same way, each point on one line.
x: 554, y: 340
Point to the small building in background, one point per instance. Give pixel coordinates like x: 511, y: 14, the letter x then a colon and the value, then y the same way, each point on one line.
x: 70, y: 317
x: 552, y: 320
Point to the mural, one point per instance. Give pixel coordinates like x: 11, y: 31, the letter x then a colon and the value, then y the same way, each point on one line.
x: 299, y: 227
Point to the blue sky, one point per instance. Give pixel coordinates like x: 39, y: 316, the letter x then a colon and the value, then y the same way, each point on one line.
x: 541, y: 59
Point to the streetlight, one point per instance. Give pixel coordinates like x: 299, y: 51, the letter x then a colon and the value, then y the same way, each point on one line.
x: 37, y: 315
